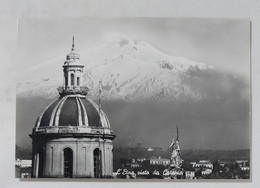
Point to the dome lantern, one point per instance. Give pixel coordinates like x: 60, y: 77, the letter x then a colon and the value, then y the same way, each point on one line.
x: 72, y: 74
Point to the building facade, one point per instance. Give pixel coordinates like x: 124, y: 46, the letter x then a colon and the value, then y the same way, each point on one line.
x: 23, y: 163
x: 72, y: 137
x: 202, y: 164
x: 159, y: 161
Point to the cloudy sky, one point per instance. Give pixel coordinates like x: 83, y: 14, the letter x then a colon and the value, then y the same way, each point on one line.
x: 223, y: 43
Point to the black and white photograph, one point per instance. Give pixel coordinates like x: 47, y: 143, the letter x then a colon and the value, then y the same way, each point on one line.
x: 133, y: 99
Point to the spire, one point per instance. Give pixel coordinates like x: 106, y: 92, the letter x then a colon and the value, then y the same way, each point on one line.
x: 72, y: 56
x: 72, y: 49
x: 99, y: 95
x: 177, y: 132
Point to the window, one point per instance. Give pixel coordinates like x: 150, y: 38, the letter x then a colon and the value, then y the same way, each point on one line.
x: 72, y: 79
x: 66, y: 81
x: 78, y: 81
x: 97, y: 163
x: 68, y: 162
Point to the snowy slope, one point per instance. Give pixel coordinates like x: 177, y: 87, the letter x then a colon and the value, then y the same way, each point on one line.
x: 128, y: 70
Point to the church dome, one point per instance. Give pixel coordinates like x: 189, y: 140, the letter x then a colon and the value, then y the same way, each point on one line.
x: 72, y: 136
x: 73, y: 111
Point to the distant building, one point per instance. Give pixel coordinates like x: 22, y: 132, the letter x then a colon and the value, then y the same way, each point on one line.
x: 245, y: 168
x: 189, y: 174
x: 25, y: 175
x: 202, y: 164
x: 135, y: 165
x: 159, y: 161
x: 140, y: 159
x: 223, y: 163
x: 72, y: 137
x: 23, y: 163
x: 23, y: 171
x: 242, y: 162
x: 243, y: 165
x: 206, y: 171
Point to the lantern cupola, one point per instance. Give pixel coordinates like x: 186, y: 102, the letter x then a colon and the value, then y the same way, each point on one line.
x: 72, y: 74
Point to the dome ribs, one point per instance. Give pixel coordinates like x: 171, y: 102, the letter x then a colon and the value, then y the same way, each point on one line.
x: 56, y: 112
x: 108, y: 124
x: 73, y: 110
x: 84, y: 115
x: 103, y: 121
x: 44, y: 120
x: 92, y: 113
x: 40, y: 117
x: 80, y: 120
x: 69, y: 113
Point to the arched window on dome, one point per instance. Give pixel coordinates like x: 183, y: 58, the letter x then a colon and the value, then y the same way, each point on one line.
x: 97, y: 163
x: 68, y: 162
x: 72, y: 79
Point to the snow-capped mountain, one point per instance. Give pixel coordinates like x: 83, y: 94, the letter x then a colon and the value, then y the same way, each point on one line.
x: 128, y: 70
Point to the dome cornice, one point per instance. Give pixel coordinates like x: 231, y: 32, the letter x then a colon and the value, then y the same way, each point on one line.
x: 90, y: 132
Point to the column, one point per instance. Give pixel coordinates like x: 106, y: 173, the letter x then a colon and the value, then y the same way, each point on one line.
x: 36, y: 165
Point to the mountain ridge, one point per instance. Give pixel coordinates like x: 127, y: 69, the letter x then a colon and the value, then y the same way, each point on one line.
x: 129, y: 70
